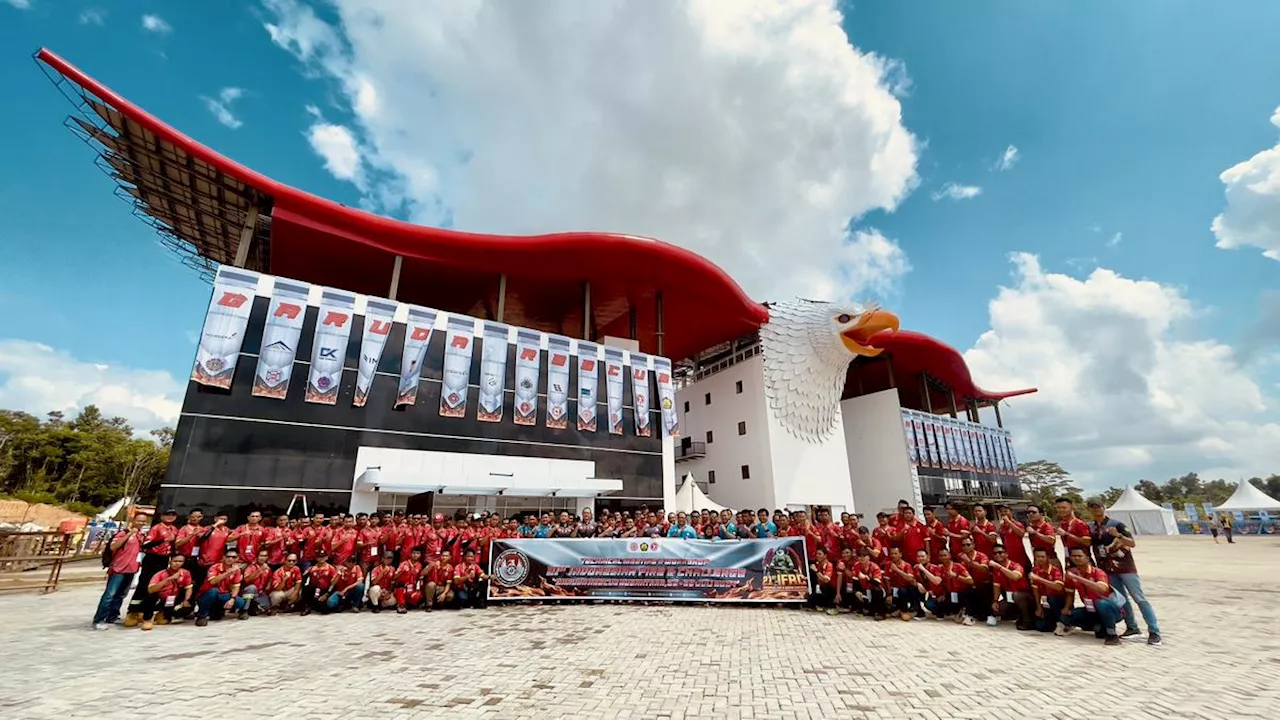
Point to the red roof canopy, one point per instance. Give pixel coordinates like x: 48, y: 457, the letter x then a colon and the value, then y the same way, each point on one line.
x: 913, y: 354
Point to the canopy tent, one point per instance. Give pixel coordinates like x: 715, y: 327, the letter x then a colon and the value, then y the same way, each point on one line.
x: 690, y: 497
x: 1248, y: 498
x: 1142, y: 516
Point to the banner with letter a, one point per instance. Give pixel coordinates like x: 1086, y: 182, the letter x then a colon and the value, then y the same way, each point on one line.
x: 456, y: 378
x: 613, y: 386
x: 557, y: 382
x: 741, y: 571
x: 329, y: 346
x: 493, y: 372
x: 588, y: 385
x: 280, y: 339
x: 378, y: 317
x: 224, y: 326
x: 666, y: 397
x: 640, y: 394
x: 528, y: 359
x: 417, y: 340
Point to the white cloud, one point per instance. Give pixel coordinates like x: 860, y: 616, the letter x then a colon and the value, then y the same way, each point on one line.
x: 37, y: 378
x: 93, y: 16
x: 221, y: 106
x: 1115, y: 239
x: 1125, y: 392
x: 1252, y: 215
x: 1007, y: 159
x: 955, y: 191
x: 753, y: 136
x: 874, y: 268
x: 20, y: 4
x: 336, y: 145
x: 156, y: 24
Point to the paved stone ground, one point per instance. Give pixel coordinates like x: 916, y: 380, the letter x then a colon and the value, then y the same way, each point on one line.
x: 1217, y: 606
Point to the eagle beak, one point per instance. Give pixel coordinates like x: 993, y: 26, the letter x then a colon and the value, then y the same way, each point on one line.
x: 856, y: 338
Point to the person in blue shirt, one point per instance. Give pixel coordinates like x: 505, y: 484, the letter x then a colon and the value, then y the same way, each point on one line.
x: 764, y: 527
x: 682, y: 528
x: 544, y: 528
x: 527, y: 529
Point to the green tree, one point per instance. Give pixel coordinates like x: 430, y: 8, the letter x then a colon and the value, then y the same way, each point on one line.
x: 1109, y: 496
x: 1043, y: 481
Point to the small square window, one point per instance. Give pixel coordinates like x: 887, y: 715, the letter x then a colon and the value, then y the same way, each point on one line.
x: 707, y: 399
x: 742, y: 428
x: 711, y: 477
x: 737, y: 387
x: 746, y: 472
x: 709, y: 438
x: 686, y: 406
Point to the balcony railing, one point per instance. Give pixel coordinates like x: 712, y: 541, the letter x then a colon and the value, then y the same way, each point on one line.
x: 692, y: 451
x: 943, y: 489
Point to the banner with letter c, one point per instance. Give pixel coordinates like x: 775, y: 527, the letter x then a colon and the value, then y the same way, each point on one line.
x: 738, y: 571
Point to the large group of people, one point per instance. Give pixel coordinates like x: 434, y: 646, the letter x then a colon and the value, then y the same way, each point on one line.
x: 963, y: 568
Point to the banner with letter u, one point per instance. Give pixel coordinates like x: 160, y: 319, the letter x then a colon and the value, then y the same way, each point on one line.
x: 738, y: 571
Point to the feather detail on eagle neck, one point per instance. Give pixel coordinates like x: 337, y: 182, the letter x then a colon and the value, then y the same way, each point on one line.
x: 805, y: 366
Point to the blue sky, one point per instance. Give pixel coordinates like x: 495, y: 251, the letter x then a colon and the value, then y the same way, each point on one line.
x: 1123, y: 116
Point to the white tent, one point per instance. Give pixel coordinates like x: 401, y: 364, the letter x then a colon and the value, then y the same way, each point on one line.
x: 690, y: 497
x: 1248, y: 498
x: 1142, y: 516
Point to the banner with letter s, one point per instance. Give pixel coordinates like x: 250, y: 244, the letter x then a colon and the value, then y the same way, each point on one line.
x: 329, y: 346
x: 224, y: 326
x: 280, y: 339
x: 736, y: 571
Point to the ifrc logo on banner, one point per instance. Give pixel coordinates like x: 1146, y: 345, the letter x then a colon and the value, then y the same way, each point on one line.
x: 664, y: 378
x: 511, y: 567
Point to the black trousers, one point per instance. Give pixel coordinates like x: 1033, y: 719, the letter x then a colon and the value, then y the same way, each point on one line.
x: 154, y: 604
x: 908, y: 600
x: 872, y: 602
x: 942, y: 605
x: 151, y: 564
x: 1022, y: 609
x: 822, y: 596
x: 980, y: 598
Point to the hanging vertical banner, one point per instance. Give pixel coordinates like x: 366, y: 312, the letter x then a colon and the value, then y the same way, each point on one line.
x: 557, y: 382
x: 224, y: 326
x: 980, y: 449
x: 966, y: 443
x: 588, y: 381
x: 993, y: 459
x: 329, y: 346
x: 417, y: 340
x: 667, y: 398
x: 1002, y: 457
x: 1013, y: 457
x: 493, y: 372
x: 949, y: 448
x: 456, y: 377
x: 928, y: 446
x: 613, y: 384
x: 280, y: 339
x: 528, y: 358
x: 640, y: 394
x: 378, y: 317
x: 909, y: 435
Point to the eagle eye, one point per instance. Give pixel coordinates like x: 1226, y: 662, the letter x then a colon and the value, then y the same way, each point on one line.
x: 843, y: 318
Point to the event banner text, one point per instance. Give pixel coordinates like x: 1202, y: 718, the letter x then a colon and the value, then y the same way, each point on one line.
x: 771, y: 570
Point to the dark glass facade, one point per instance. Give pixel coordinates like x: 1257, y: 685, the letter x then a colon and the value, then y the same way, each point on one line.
x: 234, y: 451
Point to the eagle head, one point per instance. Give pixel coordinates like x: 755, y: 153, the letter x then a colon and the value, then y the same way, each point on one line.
x: 807, y: 346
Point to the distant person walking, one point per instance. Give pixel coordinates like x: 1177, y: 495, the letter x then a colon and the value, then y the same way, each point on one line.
x: 1213, y: 528
x: 1226, y: 528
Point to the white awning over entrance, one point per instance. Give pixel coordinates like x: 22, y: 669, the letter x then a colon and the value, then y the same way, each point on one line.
x: 391, y: 470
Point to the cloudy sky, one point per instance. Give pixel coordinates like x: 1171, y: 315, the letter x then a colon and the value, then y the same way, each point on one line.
x: 1083, y: 197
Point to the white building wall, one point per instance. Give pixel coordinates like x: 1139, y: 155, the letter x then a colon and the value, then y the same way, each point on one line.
x: 728, y: 451
x: 877, y: 461
x: 807, y: 473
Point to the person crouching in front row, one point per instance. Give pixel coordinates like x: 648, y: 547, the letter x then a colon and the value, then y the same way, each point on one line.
x: 256, y: 578
x: 906, y: 594
x: 317, y: 584
x: 348, y: 586
x: 1101, y: 604
x: 869, y: 599
x: 955, y: 586
x: 169, y: 592
x: 1011, y: 590
x: 1048, y: 588
x: 221, y: 590
x: 285, y: 589
x: 470, y: 583
x: 438, y: 579
x: 823, y: 579
x: 382, y: 580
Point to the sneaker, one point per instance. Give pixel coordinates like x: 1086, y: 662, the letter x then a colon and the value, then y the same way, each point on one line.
x: 1154, y: 639
x: 1063, y: 630
x: 1111, y: 640
x: 992, y: 621
x: 147, y: 625
x: 242, y: 615
x: 102, y: 626
x: 1130, y: 632
x: 202, y: 621
x: 832, y: 611
x: 967, y: 620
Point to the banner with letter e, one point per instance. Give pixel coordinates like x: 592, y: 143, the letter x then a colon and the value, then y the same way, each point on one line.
x: 740, y: 571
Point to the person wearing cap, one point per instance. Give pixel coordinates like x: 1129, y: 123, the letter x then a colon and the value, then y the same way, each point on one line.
x: 156, y: 550
x: 382, y: 581
x: 318, y: 584
x: 1113, y: 545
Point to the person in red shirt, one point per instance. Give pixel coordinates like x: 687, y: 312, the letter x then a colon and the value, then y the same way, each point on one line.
x: 913, y: 536
x: 255, y: 577
x: 902, y: 580
x: 248, y: 537
x: 213, y: 543
x: 470, y: 586
x: 1042, y: 534
x: 187, y: 541
x: 1010, y: 589
x: 315, y: 539
x: 163, y: 590
x: 221, y: 589
x: 392, y: 536
x: 382, y: 582
x: 1100, y: 604
x: 1048, y: 588
x: 1073, y: 531
x: 317, y: 584
x: 937, y: 533
x: 979, y: 571
x: 348, y: 586
x: 866, y: 541
x: 846, y: 583
x: 984, y: 532
x: 156, y: 549
x: 367, y: 537
x: 298, y: 537
x: 883, y: 532
x: 956, y: 529
x: 930, y: 584
x: 408, y: 590
x: 959, y: 590
x: 126, y: 548
x: 276, y: 541
x: 823, y: 581
x: 286, y: 585
x: 342, y: 542
x: 800, y: 527
x: 832, y: 538
x: 1012, y: 533
x: 869, y: 599
x: 323, y: 532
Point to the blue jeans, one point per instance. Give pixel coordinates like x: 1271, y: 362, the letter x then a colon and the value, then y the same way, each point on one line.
x: 352, y: 598
x: 1051, y: 615
x: 1130, y: 585
x: 211, y: 598
x: 1102, y: 619
x: 113, y: 597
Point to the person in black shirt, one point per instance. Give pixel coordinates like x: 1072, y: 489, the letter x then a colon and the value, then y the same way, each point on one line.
x: 1112, y: 545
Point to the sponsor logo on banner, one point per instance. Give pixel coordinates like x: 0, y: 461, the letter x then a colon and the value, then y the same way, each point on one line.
x: 493, y: 372
x: 588, y: 385
x: 640, y: 393
x: 418, y: 328
x: 558, y: 360
x: 280, y: 338
x: 224, y: 327
x: 614, y: 373
x: 909, y: 435
x: 528, y: 360
x: 329, y: 346
x: 667, y: 398
x: 456, y: 377
x: 747, y: 571
x: 378, y: 318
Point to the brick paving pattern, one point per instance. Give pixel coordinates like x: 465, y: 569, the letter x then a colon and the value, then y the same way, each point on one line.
x: 1217, y: 608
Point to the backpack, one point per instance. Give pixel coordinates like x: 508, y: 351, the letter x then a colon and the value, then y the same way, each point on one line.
x: 107, y: 553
